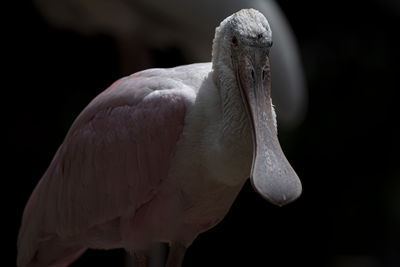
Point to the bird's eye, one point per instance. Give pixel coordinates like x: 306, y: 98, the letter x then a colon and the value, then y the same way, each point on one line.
x: 235, y: 41
x: 252, y: 75
x: 263, y: 75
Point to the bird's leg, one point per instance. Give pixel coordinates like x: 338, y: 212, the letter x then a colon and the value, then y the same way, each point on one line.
x: 176, y: 254
x: 140, y: 259
x: 158, y: 254
x: 154, y: 257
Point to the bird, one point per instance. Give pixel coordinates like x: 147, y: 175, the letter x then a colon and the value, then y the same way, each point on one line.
x: 161, y: 155
x: 137, y: 27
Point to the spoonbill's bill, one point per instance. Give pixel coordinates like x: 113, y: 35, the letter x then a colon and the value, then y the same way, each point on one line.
x: 141, y: 25
x: 161, y: 155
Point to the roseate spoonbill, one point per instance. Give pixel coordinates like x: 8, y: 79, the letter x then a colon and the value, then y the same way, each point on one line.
x: 138, y: 25
x: 161, y: 155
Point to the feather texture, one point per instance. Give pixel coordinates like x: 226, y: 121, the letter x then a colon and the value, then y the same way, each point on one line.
x: 113, y: 160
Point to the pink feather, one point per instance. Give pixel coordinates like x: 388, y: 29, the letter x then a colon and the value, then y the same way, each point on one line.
x: 111, y: 164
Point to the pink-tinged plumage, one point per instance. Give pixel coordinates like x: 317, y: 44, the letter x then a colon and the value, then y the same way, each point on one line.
x: 112, y: 163
x: 161, y: 155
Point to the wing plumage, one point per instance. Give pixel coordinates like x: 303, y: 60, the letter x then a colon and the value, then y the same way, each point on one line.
x: 113, y: 159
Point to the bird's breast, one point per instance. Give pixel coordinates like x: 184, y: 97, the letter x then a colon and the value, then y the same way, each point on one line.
x: 209, y: 170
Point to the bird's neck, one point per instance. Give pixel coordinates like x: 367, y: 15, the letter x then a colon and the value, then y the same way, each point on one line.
x: 235, y: 140
x: 235, y: 122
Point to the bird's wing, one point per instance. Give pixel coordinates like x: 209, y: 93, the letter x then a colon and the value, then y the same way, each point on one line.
x: 112, y: 160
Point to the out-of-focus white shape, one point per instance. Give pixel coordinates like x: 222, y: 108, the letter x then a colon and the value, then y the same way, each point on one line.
x: 189, y: 25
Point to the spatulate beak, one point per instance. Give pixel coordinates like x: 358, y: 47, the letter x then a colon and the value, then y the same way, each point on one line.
x: 271, y: 175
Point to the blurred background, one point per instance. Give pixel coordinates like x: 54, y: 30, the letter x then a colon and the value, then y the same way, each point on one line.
x: 340, y: 134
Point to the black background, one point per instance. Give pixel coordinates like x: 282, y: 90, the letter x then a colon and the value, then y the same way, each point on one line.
x: 345, y: 151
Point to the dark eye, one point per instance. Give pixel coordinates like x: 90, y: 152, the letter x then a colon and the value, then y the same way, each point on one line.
x: 235, y: 42
x: 263, y: 75
x: 252, y: 75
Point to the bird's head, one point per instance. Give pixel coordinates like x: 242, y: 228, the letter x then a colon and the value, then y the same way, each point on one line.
x: 241, y: 54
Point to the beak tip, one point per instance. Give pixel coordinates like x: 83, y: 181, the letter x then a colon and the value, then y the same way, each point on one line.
x: 284, y: 200
x: 280, y: 196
